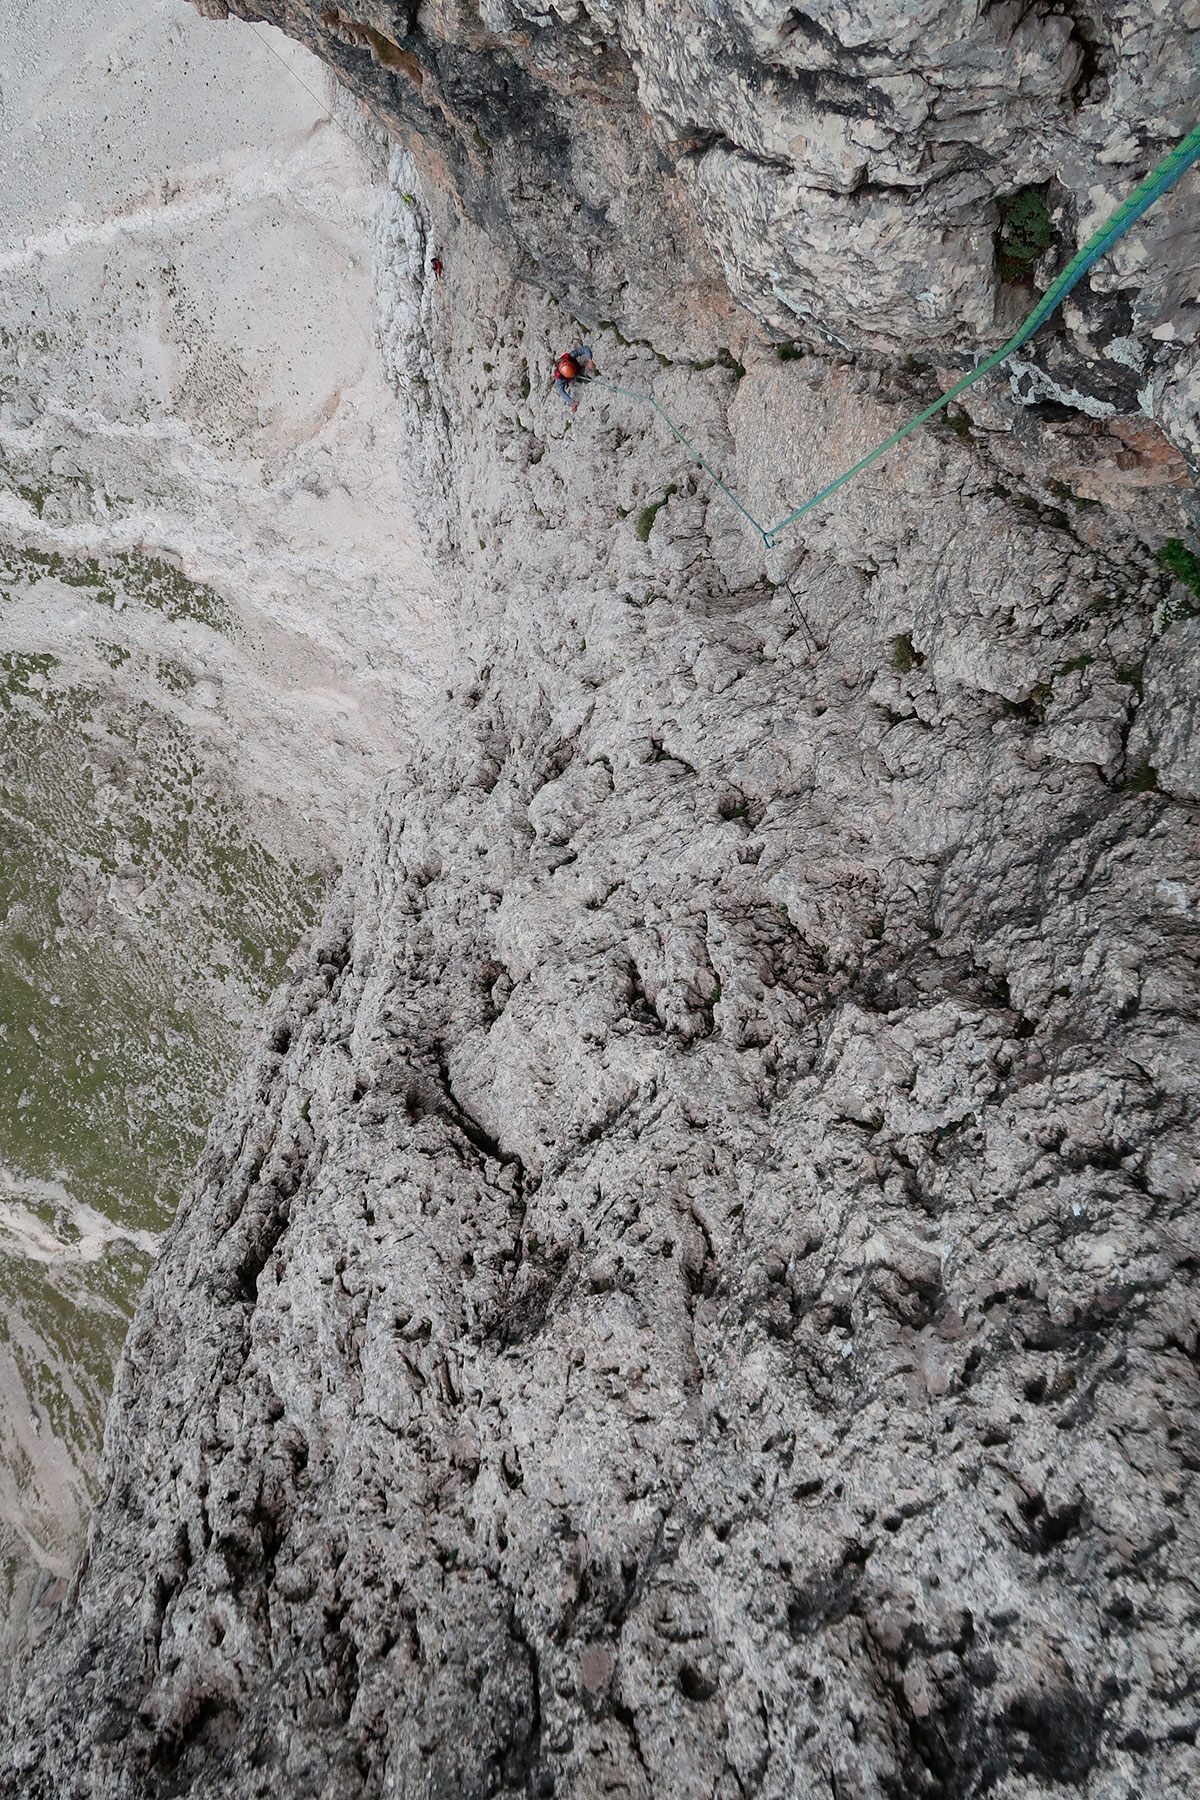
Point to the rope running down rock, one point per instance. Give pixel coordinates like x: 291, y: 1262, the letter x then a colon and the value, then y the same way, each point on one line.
x: 1140, y: 201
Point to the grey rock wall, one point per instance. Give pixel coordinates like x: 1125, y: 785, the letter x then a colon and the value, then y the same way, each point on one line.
x: 695, y: 1295
x: 845, y: 172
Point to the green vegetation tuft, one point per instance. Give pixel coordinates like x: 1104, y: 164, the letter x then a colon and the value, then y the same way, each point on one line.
x: 33, y: 496
x: 904, y: 657
x: 958, y: 422
x: 724, y: 359
x: 648, y: 514
x: 1179, y: 561
x: 1142, y: 778
x: 1025, y: 233
x: 789, y: 352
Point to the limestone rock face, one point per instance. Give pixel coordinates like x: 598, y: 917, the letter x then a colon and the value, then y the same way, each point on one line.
x: 1168, y: 727
x: 857, y: 174
x: 694, y: 1296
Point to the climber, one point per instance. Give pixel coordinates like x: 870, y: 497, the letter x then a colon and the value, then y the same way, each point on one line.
x: 573, y: 365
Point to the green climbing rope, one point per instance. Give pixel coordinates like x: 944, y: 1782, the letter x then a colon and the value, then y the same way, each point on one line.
x: 1140, y: 201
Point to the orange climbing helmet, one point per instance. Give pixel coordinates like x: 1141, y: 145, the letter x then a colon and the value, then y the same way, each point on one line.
x: 567, y: 367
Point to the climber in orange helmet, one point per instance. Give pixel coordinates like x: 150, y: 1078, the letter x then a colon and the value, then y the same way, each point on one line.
x: 571, y: 366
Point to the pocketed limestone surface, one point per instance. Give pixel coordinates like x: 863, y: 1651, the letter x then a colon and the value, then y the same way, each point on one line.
x: 694, y: 1295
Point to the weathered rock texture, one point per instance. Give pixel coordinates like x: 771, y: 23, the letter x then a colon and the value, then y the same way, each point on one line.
x: 695, y: 1296
x: 835, y: 168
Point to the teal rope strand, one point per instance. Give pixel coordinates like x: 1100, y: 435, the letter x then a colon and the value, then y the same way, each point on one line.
x: 1155, y: 185
x: 706, y: 466
x: 1140, y: 201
